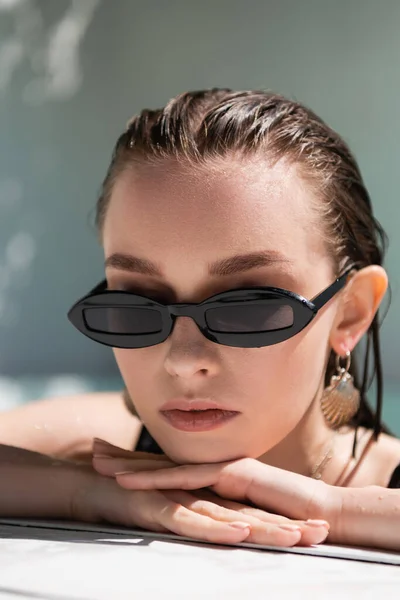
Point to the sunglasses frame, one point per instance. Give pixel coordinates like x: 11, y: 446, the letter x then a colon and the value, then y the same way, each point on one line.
x: 304, y: 311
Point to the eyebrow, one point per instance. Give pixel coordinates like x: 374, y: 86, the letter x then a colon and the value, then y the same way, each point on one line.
x: 239, y: 263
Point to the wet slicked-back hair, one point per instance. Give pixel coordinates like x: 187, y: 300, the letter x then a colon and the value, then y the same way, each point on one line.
x: 198, y: 127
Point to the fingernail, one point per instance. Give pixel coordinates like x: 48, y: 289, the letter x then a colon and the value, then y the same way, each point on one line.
x: 125, y: 473
x: 290, y: 527
x: 239, y: 525
x: 317, y: 523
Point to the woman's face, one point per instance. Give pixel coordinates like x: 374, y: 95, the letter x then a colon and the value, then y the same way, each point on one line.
x: 182, y: 220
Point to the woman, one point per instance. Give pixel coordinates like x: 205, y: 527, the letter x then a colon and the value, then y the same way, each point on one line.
x: 243, y: 266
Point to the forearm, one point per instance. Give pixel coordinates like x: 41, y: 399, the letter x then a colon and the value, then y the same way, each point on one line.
x: 370, y: 516
x: 34, y: 485
x: 65, y: 426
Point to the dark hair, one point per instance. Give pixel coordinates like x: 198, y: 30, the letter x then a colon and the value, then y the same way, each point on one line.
x: 196, y: 127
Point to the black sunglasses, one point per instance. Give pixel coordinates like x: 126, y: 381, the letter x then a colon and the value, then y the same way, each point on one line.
x: 243, y: 318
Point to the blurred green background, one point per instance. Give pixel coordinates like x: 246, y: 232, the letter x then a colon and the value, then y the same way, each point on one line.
x: 73, y: 72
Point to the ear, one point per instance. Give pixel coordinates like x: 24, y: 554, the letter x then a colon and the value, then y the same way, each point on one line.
x: 357, y: 307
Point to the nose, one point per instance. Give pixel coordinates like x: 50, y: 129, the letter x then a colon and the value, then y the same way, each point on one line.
x: 190, y: 354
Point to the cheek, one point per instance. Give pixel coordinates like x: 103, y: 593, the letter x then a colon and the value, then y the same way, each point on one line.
x: 303, y: 359
x: 287, y: 375
x: 138, y: 370
x: 280, y: 376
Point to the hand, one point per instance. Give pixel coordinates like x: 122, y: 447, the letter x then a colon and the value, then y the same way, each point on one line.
x: 266, y: 528
x: 245, y: 480
x: 108, y: 459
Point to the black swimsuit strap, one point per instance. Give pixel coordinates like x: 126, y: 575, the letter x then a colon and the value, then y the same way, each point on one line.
x: 147, y: 444
x: 395, y: 479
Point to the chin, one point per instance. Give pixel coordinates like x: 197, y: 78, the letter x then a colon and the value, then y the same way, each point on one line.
x: 205, y: 455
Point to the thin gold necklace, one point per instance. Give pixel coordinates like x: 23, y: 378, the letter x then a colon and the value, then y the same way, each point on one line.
x: 318, y: 469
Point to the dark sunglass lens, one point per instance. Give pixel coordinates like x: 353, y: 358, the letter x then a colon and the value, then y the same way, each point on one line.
x: 253, y: 318
x: 123, y: 320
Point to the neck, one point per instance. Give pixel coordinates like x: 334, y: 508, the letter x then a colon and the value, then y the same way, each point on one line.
x: 307, y: 445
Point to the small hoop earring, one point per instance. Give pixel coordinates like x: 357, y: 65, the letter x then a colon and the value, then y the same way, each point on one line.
x: 340, y: 401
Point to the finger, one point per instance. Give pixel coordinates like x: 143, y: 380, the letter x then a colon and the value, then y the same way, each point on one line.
x: 185, y: 477
x: 203, y: 506
x: 178, y: 519
x: 243, y: 509
x: 109, y: 466
x: 265, y: 528
x: 313, y: 532
x: 155, y: 512
x: 272, y: 535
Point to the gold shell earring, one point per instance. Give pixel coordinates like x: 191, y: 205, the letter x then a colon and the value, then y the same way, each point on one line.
x: 340, y: 400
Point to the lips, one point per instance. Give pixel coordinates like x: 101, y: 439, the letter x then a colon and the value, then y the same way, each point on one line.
x: 187, y: 404
x: 196, y: 414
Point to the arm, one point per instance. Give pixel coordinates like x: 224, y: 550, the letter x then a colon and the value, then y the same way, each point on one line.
x: 362, y: 516
x: 369, y: 516
x: 65, y: 427
x: 33, y: 485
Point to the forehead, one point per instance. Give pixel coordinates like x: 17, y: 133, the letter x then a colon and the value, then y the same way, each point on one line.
x: 169, y: 212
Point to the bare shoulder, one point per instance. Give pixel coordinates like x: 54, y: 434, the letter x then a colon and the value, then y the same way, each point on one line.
x: 65, y: 426
x: 384, y: 457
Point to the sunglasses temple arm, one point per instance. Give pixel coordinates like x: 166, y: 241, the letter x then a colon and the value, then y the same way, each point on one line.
x: 324, y: 297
